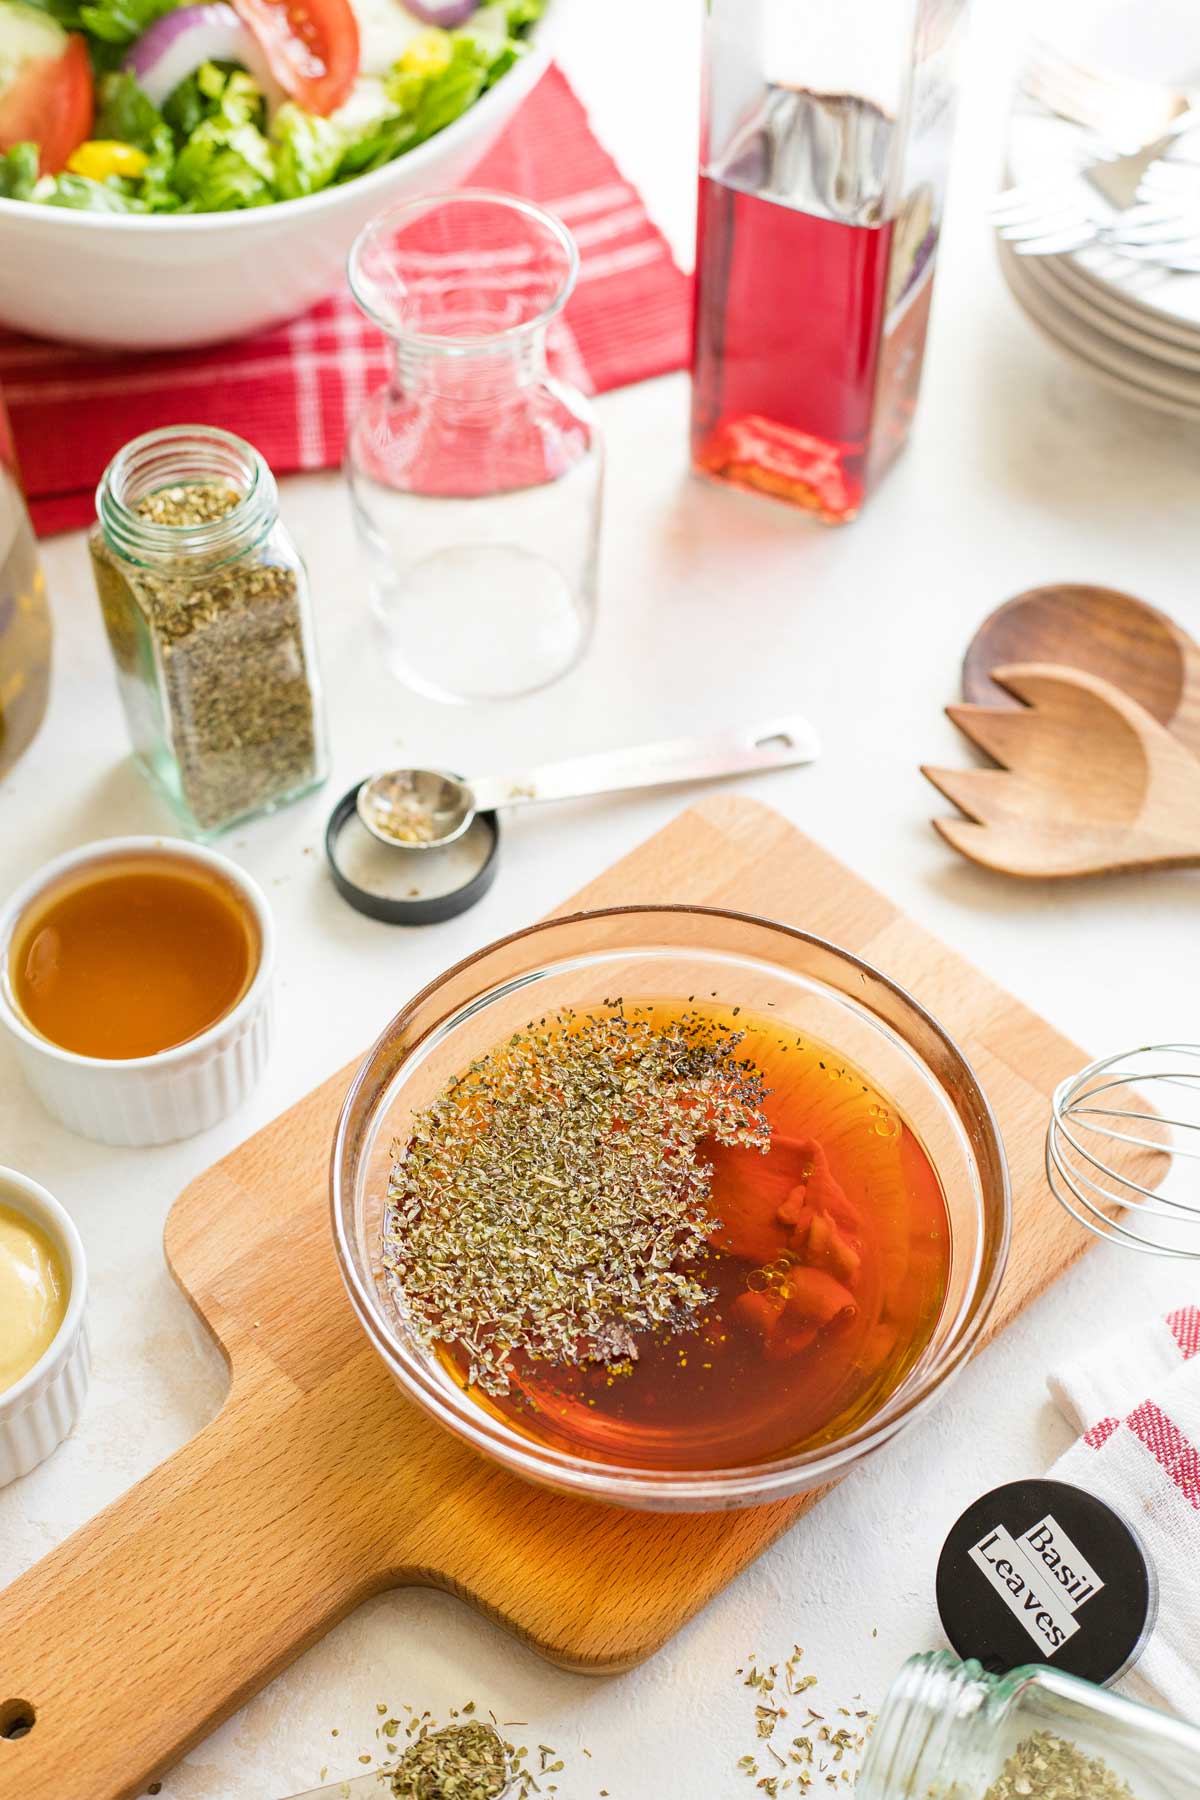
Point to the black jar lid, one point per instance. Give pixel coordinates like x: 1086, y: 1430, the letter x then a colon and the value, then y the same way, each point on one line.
x: 1042, y: 1572
x: 409, y: 887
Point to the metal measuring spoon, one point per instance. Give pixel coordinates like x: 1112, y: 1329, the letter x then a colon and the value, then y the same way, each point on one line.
x: 426, y: 809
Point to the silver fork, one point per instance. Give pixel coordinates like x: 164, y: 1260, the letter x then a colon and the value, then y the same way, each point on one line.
x: 1126, y: 113
x: 1130, y: 126
x: 1159, y: 219
x: 1168, y: 238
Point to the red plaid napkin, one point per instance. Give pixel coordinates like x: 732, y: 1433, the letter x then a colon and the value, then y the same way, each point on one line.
x: 293, y: 390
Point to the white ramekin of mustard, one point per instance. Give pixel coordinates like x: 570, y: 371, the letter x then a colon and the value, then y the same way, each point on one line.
x: 135, y: 983
x: 44, y: 1359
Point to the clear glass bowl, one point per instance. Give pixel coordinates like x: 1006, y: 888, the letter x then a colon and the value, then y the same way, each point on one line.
x: 672, y: 952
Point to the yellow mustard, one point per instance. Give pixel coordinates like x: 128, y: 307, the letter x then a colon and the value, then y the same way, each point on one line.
x: 33, y: 1294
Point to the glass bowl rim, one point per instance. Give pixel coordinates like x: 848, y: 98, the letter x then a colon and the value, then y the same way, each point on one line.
x: 735, y: 1485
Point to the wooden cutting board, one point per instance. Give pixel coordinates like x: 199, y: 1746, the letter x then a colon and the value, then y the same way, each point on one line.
x: 318, y: 1484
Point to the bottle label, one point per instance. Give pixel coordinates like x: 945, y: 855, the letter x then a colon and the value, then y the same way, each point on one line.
x: 1042, y: 1578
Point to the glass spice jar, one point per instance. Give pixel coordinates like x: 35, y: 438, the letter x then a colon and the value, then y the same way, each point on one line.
x: 206, y: 604
x: 950, y: 1731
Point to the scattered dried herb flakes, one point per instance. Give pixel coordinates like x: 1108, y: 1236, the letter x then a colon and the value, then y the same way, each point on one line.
x: 1046, y: 1767
x: 552, y: 1200
x: 820, y: 1753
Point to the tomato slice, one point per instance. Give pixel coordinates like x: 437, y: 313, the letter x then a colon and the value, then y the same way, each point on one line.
x: 49, y: 102
x: 311, y: 45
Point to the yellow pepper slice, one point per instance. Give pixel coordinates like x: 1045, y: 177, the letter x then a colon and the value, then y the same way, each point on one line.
x: 428, y: 53
x: 101, y: 157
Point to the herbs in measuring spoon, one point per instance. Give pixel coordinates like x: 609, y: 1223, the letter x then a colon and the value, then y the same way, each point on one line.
x: 230, y: 646
x: 464, y: 1760
x: 468, y: 1760
x: 553, y: 1200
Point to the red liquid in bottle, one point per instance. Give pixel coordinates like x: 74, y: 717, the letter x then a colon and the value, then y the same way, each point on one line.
x: 788, y: 332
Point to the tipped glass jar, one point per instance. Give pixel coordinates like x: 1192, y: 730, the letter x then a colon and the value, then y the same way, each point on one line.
x: 206, y: 604
x: 950, y: 1731
x: 475, y: 473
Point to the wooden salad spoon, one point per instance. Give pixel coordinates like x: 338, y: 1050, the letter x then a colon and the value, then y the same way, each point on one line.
x: 1089, y: 781
x: 1102, y: 631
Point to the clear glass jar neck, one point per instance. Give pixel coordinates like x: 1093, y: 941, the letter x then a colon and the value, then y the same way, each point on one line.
x: 935, y: 1730
x: 183, y: 456
x: 479, y: 376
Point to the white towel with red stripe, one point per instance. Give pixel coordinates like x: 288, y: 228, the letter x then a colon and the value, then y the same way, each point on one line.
x: 1137, y: 1403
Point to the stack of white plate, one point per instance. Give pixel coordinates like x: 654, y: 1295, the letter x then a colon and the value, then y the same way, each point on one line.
x: 1133, y: 326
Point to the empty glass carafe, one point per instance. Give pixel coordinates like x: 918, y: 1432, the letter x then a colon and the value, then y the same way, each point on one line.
x: 475, y: 473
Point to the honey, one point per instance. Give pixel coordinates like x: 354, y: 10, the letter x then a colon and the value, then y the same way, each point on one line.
x: 33, y: 1295
x: 822, y: 1254
x: 132, y: 956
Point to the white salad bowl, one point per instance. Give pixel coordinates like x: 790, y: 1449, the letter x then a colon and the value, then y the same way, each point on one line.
x: 164, y: 282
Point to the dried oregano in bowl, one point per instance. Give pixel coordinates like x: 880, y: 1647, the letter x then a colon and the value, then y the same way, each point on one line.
x: 552, y: 1200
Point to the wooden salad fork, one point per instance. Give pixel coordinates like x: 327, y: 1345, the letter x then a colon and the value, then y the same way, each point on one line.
x: 1089, y: 781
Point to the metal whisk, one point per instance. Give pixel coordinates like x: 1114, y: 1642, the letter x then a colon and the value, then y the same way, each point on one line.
x: 1101, y: 1156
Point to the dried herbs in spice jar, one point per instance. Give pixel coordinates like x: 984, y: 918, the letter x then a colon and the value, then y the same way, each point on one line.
x: 949, y: 1730
x: 206, y: 605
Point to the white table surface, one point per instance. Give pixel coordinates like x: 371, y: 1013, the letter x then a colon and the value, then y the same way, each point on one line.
x: 714, y: 606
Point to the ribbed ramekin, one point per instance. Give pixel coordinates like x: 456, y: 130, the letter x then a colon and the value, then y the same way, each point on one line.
x: 147, y: 1099
x: 39, y: 1411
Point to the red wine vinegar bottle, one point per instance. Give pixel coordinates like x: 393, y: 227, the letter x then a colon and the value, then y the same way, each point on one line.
x: 826, y: 139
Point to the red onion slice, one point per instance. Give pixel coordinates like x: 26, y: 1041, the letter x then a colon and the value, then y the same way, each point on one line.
x: 446, y: 13
x: 175, y: 45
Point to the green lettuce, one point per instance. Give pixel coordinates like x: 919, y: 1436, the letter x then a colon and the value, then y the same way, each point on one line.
x: 83, y: 194
x: 433, y: 101
x: 522, y: 14
x: 227, y: 161
x: 119, y: 22
x: 19, y: 172
x: 125, y: 113
x: 425, y: 101
x: 109, y: 26
x: 308, y: 151
x: 199, y: 96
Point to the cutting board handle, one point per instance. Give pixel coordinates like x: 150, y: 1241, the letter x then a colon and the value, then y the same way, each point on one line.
x: 131, y: 1641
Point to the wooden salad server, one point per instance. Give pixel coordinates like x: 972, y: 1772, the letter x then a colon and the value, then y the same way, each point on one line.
x: 1089, y: 782
x: 1105, y: 633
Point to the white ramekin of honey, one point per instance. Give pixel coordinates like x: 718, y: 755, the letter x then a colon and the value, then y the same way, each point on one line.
x: 135, y: 982
x: 44, y: 1359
